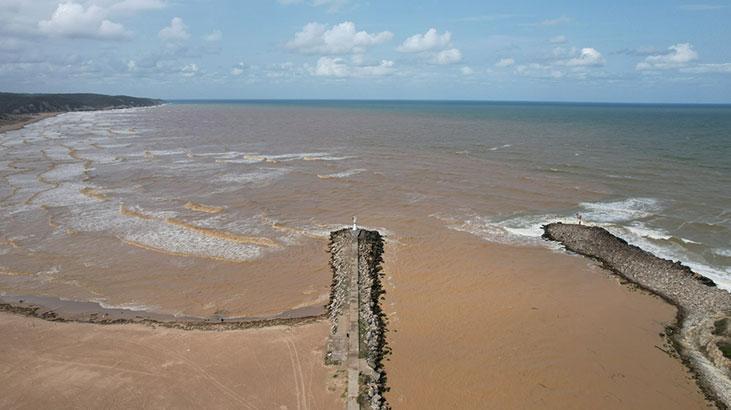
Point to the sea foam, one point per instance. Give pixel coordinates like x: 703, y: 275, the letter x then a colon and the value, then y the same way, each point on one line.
x: 344, y: 174
x: 630, y: 219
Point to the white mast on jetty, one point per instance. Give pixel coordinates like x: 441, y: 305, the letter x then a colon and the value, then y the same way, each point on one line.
x: 355, y: 227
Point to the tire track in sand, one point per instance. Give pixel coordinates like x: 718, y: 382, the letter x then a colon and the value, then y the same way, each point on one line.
x: 299, y: 381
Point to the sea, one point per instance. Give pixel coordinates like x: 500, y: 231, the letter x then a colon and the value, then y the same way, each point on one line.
x: 167, y: 208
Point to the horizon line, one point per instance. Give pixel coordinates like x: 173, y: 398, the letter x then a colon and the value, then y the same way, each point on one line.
x: 173, y: 100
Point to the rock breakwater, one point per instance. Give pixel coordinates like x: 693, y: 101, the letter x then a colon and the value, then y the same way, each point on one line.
x: 358, y: 332
x: 703, y: 339
x: 372, y: 321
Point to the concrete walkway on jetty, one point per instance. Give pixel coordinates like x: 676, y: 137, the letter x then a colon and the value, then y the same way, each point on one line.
x: 351, y: 322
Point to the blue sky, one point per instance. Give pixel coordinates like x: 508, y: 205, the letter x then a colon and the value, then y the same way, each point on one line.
x: 614, y: 51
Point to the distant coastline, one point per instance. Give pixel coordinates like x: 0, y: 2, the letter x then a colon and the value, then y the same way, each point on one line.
x: 19, y: 110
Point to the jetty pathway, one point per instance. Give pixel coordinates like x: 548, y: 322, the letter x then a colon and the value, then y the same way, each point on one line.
x: 352, y: 318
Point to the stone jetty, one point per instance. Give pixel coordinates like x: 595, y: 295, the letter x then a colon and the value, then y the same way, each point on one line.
x: 357, y: 340
x: 703, y: 336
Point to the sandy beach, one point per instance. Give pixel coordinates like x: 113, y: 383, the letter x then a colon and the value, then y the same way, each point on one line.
x: 479, y: 326
x: 72, y: 365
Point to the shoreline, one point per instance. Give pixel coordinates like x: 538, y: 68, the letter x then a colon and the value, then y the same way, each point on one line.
x: 703, y: 310
x: 18, y: 121
x: 23, y: 120
x: 59, y: 310
x: 536, y: 311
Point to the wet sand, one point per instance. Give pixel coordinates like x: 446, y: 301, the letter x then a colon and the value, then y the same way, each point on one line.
x: 61, y: 310
x: 472, y: 325
x: 477, y: 325
x: 71, y: 365
x: 179, y: 285
x: 22, y: 120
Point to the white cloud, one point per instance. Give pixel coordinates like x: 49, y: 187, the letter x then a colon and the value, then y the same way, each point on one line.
x: 76, y: 21
x: 448, y: 56
x: 567, y: 63
x: 431, y: 40
x: 190, y: 70
x: 357, y: 59
x: 505, y: 62
x: 284, y: 72
x: 215, y: 35
x: 238, y: 69
x: 679, y: 55
x: 436, y: 47
x: 466, y: 70
x: 176, y: 31
x: 331, y: 67
x: 341, y: 38
x: 338, y: 67
x: 588, y: 57
x: 723, y: 68
x: 109, y: 29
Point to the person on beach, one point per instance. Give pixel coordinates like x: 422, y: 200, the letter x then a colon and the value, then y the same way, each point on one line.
x: 578, y: 217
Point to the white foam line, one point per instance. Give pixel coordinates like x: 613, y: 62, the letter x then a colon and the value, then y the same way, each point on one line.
x: 501, y: 147
x: 134, y: 307
x: 344, y: 174
x: 723, y: 252
x: 622, y: 218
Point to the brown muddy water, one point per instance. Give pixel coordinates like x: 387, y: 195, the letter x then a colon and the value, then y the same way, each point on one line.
x: 194, y: 210
x: 225, y: 209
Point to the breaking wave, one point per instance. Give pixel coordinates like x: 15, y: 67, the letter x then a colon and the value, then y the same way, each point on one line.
x: 344, y: 174
x: 630, y: 219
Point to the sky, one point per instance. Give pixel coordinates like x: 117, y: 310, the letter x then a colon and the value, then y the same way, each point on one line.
x: 674, y: 51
